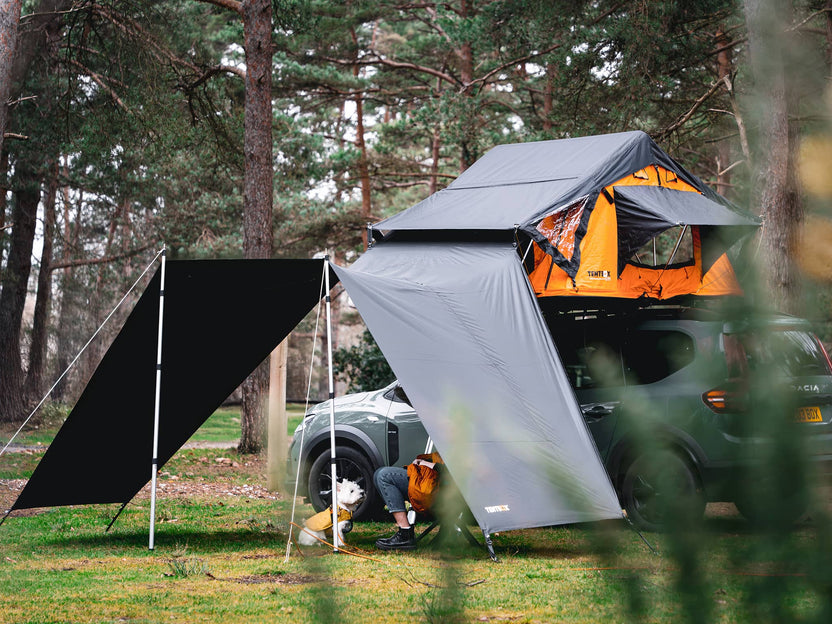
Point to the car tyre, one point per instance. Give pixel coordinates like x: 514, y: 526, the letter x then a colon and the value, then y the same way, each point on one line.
x: 350, y: 464
x: 660, y: 491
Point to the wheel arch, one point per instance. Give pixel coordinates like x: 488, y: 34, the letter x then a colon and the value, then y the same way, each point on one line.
x: 345, y: 435
x: 628, y: 449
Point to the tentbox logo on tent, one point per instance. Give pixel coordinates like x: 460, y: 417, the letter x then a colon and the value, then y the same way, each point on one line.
x: 599, y: 275
x: 497, y: 508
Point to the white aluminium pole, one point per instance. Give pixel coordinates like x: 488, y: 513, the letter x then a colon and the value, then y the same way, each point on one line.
x: 155, y: 461
x: 333, y: 471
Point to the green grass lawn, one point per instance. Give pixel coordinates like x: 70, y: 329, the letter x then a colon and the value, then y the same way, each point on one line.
x: 222, y: 426
x: 220, y: 557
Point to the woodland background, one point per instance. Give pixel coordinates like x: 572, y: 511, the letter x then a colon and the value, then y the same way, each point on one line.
x: 279, y: 128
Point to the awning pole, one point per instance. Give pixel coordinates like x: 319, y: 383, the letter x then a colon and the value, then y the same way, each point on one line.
x: 332, y: 460
x: 155, y: 460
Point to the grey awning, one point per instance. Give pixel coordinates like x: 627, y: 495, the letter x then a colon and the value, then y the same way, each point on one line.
x: 461, y: 328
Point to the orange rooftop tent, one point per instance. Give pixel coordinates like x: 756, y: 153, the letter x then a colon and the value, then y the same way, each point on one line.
x: 601, y: 216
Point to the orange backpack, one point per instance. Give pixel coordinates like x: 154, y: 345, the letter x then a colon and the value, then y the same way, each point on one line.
x: 422, y: 481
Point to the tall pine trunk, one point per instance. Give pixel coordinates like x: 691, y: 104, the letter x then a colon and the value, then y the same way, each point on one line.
x: 9, y: 20
x: 775, y: 185
x: 13, y: 297
x: 258, y: 191
x: 37, y: 348
x: 724, y: 68
x: 361, y: 144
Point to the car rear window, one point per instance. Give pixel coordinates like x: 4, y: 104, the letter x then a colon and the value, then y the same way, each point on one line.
x: 793, y: 353
x: 604, y: 359
x: 652, y: 355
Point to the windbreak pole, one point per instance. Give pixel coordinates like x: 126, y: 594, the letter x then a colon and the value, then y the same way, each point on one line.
x: 333, y: 471
x: 155, y: 459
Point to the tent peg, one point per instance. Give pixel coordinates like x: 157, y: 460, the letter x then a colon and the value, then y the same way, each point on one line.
x: 633, y: 527
x: 490, y: 546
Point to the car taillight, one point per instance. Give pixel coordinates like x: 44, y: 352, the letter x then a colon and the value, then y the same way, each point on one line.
x: 825, y: 354
x: 721, y: 400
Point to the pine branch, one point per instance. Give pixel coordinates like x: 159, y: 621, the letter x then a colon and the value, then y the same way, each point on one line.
x: 686, y: 117
x: 233, y: 5
x: 65, y: 264
x: 101, y: 82
x: 513, y: 62
x: 412, y: 66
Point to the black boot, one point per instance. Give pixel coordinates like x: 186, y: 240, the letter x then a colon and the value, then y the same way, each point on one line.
x: 403, y: 539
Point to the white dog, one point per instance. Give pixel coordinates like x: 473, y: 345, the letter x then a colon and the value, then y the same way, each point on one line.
x: 319, y: 526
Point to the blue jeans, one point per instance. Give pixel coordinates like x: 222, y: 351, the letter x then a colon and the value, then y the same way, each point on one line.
x: 391, y: 484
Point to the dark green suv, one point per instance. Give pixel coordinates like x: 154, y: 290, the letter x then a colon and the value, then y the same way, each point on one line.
x: 681, y: 404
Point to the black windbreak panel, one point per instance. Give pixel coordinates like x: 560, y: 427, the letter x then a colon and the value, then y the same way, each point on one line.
x: 222, y: 318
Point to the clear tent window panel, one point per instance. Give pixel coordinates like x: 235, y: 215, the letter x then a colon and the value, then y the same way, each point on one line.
x: 674, y: 246
x: 560, y: 227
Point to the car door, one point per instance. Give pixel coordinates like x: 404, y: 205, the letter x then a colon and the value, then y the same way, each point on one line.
x: 591, y: 356
x: 406, y: 436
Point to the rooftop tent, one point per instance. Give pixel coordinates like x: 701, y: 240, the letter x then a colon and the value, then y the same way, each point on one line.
x: 561, y: 195
x: 460, y: 327
x: 222, y: 318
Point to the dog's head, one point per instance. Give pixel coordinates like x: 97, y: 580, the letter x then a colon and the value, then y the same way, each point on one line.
x: 350, y: 494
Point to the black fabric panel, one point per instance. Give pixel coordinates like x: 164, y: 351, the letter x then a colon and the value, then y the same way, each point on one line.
x: 222, y: 318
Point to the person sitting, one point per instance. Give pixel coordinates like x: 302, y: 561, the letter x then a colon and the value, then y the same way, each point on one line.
x: 415, y: 483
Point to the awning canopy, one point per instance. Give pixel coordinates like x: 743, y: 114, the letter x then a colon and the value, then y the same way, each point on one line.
x: 642, y: 212
x: 461, y: 329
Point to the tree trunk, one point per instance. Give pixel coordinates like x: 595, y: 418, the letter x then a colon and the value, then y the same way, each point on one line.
x: 4, y: 187
x: 776, y: 191
x: 435, y: 145
x: 549, y: 96
x: 69, y: 315
x: 360, y: 143
x: 9, y: 20
x: 37, y: 348
x: 13, y: 296
x: 828, y: 9
x: 258, y: 191
x: 724, y: 66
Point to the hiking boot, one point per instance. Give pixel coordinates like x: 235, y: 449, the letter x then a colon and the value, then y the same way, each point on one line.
x: 403, y: 539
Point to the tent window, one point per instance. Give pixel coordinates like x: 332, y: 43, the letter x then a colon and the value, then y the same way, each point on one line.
x: 673, y: 247
x: 560, y: 227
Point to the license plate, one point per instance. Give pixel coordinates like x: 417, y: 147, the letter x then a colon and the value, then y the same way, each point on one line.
x: 808, y: 415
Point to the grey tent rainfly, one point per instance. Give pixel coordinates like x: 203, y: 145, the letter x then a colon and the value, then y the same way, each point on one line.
x: 449, y: 289
x: 460, y: 327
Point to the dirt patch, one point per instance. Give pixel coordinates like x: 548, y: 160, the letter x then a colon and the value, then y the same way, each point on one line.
x: 170, y: 488
x: 281, y: 579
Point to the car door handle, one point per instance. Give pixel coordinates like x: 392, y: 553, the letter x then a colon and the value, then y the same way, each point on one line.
x: 596, y: 411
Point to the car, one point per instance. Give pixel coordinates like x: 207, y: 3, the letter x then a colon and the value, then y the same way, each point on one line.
x: 676, y: 398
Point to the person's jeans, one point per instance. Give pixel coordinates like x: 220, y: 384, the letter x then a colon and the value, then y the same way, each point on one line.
x: 391, y: 484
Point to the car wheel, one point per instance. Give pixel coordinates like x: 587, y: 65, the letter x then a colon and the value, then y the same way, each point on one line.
x: 350, y: 464
x: 660, y: 491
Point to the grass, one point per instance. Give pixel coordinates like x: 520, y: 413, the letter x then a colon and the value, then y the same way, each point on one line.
x: 222, y: 426
x: 220, y: 557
